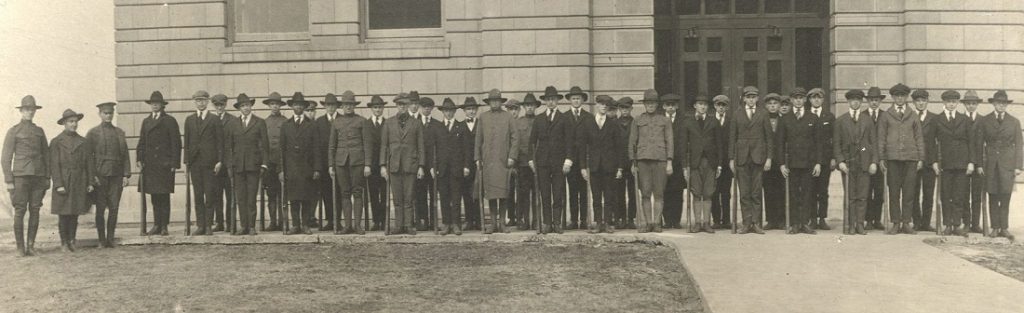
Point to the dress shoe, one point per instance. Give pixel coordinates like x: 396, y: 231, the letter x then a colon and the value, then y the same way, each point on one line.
x: 574, y: 225
x: 458, y: 230
x: 327, y: 227
x: 511, y: 222
x: 558, y: 229
x: 908, y: 230
x: 960, y: 231
x: 859, y: 230
x: 793, y: 230
x: 656, y: 228
x: 948, y: 231
x: 487, y: 230
x: 307, y: 230
x: 163, y: 231
x: 743, y: 230
x: 894, y: 230
x: 273, y: 227
x: 64, y: 247
x: 610, y: 229
x: 153, y: 231
x: 219, y: 228
x: 822, y: 225
x: 976, y: 229
x: 876, y: 225
x: 709, y: 229
x: 994, y: 233
x: 1006, y: 234
x: 757, y: 229
x: 543, y: 229
x: 359, y: 230
x: 631, y: 225
x: 807, y: 230
x: 30, y: 248
x: 926, y: 227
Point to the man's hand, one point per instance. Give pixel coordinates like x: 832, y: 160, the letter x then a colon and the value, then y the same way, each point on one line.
x: 511, y: 163
x: 832, y: 165
x: 881, y: 165
x: 920, y: 165
x: 478, y: 164
x: 843, y: 168
x: 316, y: 175
x: 936, y: 169
x: 465, y: 171
x: 635, y: 170
x: 124, y: 182
x: 419, y: 173
x: 872, y: 169
x: 532, y: 167
x: 61, y: 190
x: 384, y: 172
x: 280, y: 176
x: 981, y: 171
x: 10, y: 187
x: 88, y: 188
x: 585, y: 174
x: 433, y: 172
x: 668, y: 168
x: 139, y: 165
x: 970, y: 169
x: 366, y: 171
x: 785, y: 170
x: 174, y: 169
x: 330, y: 171
x: 816, y: 171
x: 618, y: 174
x: 732, y: 165
x: 686, y: 173
x: 767, y: 164
x: 566, y: 168
x: 216, y: 168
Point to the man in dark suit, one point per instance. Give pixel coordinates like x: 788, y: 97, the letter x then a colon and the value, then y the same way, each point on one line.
x: 750, y: 155
x: 449, y: 166
x: 323, y: 129
x: 799, y: 159
x: 627, y: 185
x: 701, y: 163
x: 773, y: 183
x: 602, y: 162
x: 247, y: 150
x: 349, y: 148
x: 270, y: 180
x: 720, y: 199
x: 676, y: 182
x: 299, y: 142
x: 577, y: 185
x: 376, y: 184
x: 955, y: 160
x: 223, y: 196
x: 26, y: 173
x: 470, y: 202
x: 855, y: 151
x: 426, y: 200
x: 875, y: 196
x: 922, y: 210
x: 551, y: 160
x: 975, y: 181
x: 826, y: 121
x: 159, y: 156
x: 403, y: 159
x: 999, y: 142
x: 204, y: 143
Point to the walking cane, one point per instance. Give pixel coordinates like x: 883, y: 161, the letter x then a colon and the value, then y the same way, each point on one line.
x: 436, y: 196
x: 984, y: 213
x: 233, y: 228
x: 847, y: 220
x: 538, y: 204
x: 590, y: 204
x: 334, y: 201
x: 786, y: 178
x: 688, y: 208
x: 285, y: 204
x: 735, y: 195
x: 366, y: 203
x: 885, y: 201
x: 263, y: 202
x: 938, y: 204
x: 480, y: 190
x: 142, y: 198
x: 188, y: 202
x: 387, y: 213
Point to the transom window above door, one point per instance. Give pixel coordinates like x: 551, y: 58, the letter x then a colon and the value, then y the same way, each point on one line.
x: 738, y: 7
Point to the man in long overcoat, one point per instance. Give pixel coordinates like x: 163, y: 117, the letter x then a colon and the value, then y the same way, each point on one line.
x: 495, y: 158
x: 73, y: 175
x: 158, y: 154
x: 999, y: 143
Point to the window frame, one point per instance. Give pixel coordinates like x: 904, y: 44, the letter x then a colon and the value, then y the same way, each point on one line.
x: 403, y: 33
x: 264, y: 38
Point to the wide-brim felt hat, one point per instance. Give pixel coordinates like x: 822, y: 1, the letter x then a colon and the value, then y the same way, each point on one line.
x: 29, y: 102
x: 376, y: 100
x: 298, y: 98
x: 274, y: 97
x: 494, y: 95
x: 413, y: 96
x: 156, y: 97
x: 875, y: 93
x: 349, y: 97
x: 551, y: 92
x: 970, y: 96
x: 243, y: 98
x: 330, y: 99
x: 1000, y: 97
x: 576, y: 91
x: 530, y: 99
x: 650, y: 95
x: 469, y: 102
x: 401, y: 98
x: 448, y: 105
x: 671, y: 99
x: 511, y: 104
x: 68, y: 114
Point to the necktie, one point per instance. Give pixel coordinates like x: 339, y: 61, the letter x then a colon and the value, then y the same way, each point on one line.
x: 721, y: 119
x: 425, y: 120
x: 552, y: 115
x: 1000, y: 117
x: 750, y: 112
x: 376, y: 121
x: 815, y: 111
x: 855, y: 115
x: 156, y: 115
x: 600, y: 122
x: 949, y: 117
x: 799, y: 114
x: 874, y: 115
x: 448, y: 125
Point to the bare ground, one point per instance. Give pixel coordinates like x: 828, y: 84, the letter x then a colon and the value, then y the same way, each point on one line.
x: 464, y: 277
x: 1004, y: 258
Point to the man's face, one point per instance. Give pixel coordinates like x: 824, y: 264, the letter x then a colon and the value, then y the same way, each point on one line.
x: 721, y: 107
x: 854, y: 103
x: 310, y: 111
x: 650, y: 106
x: 201, y: 103
x: 551, y: 103
x: 817, y: 100
x: 71, y: 124
x: 348, y: 109
x: 772, y: 106
x: 971, y: 106
x: 28, y: 113
x: 470, y: 112
x: 297, y: 109
x: 950, y: 105
x: 900, y: 99
x: 999, y: 107
x: 625, y: 112
x: 427, y: 110
x: 156, y: 107
x: 600, y: 108
x: 612, y: 111
x: 413, y: 107
x: 798, y: 101
x: 671, y: 107
x: 221, y: 107
x: 784, y: 109
x: 275, y: 108
x: 331, y: 109
x: 874, y: 102
x: 921, y: 104
x: 701, y: 107
x: 448, y: 114
x: 107, y: 115
x: 750, y: 100
x: 495, y: 104
x: 530, y: 109
x: 576, y: 101
x: 377, y: 110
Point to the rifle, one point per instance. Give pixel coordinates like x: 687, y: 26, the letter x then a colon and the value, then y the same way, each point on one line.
x: 188, y: 202
x: 984, y: 212
x: 847, y: 219
x: 232, y: 227
x: 142, y: 198
x: 437, y: 202
x: 590, y: 204
x: 688, y: 209
x: 787, y: 201
x: 334, y: 199
x: 285, y: 205
x: 387, y: 212
x: 885, y: 200
x: 736, y: 194
x: 480, y: 190
x: 938, y: 192
x: 366, y: 203
x: 263, y: 202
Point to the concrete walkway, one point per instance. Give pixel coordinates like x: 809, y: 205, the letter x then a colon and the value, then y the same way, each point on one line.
x: 828, y: 272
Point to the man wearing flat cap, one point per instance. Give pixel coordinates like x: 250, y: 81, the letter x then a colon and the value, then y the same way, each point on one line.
x: 901, y: 154
x: 954, y: 162
x: 720, y: 199
x: 627, y: 185
x: 551, y: 160
x: 750, y: 155
x: 856, y: 152
x: 158, y: 155
x: 701, y: 164
x: 800, y: 157
x: 772, y: 182
x: 113, y: 168
x: 826, y: 123
x: 270, y: 180
x: 247, y: 151
x: 975, y: 181
x: 999, y: 145
x: 925, y: 184
x: 223, y: 199
x: 349, y: 150
x: 204, y: 143
x: 26, y: 174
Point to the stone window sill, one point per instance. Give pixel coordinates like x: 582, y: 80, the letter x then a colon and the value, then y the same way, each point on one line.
x: 374, y: 48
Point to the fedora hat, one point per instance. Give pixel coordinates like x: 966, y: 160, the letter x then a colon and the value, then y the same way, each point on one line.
x: 511, y: 104
x: 330, y: 99
x: 530, y: 99
x: 349, y: 97
x: 219, y: 99
x: 69, y: 113
x: 551, y: 92
x: 156, y: 97
x: 574, y: 91
x: 200, y: 94
x: 375, y: 101
x: 414, y: 96
x: 899, y: 89
x: 298, y: 98
x: 970, y: 96
x: 469, y: 102
x: 625, y: 102
x: 401, y: 98
x: 671, y: 99
x: 875, y: 93
x: 448, y: 105
x: 494, y: 95
x: 650, y: 95
x: 1000, y: 97
x: 29, y: 102
x: 274, y: 97
x: 243, y: 98
x: 105, y: 105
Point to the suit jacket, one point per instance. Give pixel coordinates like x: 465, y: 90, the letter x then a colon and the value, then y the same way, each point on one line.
x: 246, y: 148
x: 350, y: 141
x: 402, y: 148
x: 522, y: 127
x: 1000, y: 147
x: 826, y: 125
x: 204, y: 140
x: 110, y: 151
x: 449, y: 144
x: 701, y: 142
x: 576, y: 124
x: 300, y: 159
x: 323, y: 131
x: 928, y: 133
x: 900, y: 138
x: 854, y: 143
x: 375, y: 131
x: 431, y: 131
x: 723, y: 143
x: 679, y: 147
x: 551, y: 139
x: 159, y: 150
x: 801, y: 141
x: 25, y: 152
x: 750, y: 139
x: 602, y: 145
x: 954, y: 139
x: 627, y: 123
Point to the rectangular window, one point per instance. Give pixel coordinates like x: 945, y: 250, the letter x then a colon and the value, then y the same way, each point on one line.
x: 662, y: 7
x: 750, y: 44
x: 688, y: 7
x: 714, y: 78
x: 404, y: 18
x: 776, y: 6
x: 750, y: 77
x: 811, y: 6
x: 270, y: 20
x: 691, y: 45
x: 691, y: 73
x: 716, y: 6
x: 774, y: 43
x: 775, y: 76
x: 809, y: 52
x: 714, y: 44
x: 665, y: 51
x: 747, y: 6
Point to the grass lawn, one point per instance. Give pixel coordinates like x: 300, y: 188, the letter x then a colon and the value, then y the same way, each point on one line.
x: 1004, y: 258
x: 464, y: 277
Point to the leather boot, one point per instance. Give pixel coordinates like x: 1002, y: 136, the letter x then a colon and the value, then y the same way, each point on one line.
x: 19, y: 238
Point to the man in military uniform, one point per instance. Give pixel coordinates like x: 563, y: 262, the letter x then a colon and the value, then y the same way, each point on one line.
x: 247, y: 151
x: 376, y: 184
x: 450, y: 165
x: 954, y: 162
x: 324, y: 126
x: 701, y: 164
x: 773, y: 183
x: 577, y: 186
x: 512, y: 106
x: 922, y: 210
x: 113, y: 169
x: 204, y: 143
x: 999, y: 143
x: 469, y: 192
x: 901, y: 155
x: 627, y: 185
x: 551, y: 134
x: 522, y: 131
x: 350, y: 145
x: 424, y: 190
x: 750, y: 155
x: 159, y: 155
x: 855, y: 150
x: 676, y: 183
x: 25, y: 159
x: 403, y: 157
x: 975, y: 181
x: 651, y: 150
x: 300, y: 164
x: 494, y: 157
x: 73, y: 176
x: 720, y: 199
x: 799, y: 158
x: 826, y: 122
x: 223, y: 198
x: 270, y: 181
x: 875, y: 196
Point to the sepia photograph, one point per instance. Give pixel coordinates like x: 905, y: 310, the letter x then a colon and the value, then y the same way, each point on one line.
x: 696, y: 156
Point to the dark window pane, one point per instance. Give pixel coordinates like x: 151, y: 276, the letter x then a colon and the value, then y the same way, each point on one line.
x: 714, y: 78
x: 664, y: 54
x: 716, y: 6
x: 775, y: 76
x: 271, y: 16
x: 812, y: 6
x: 691, y: 45
x: 746, y: 6
x: 750, y: 44
x: 774, y: 43
x: 691, y: 71
x: 662, y: 7
x: 401, y: 14
x: 750, y: 73
x: 688, y: 7
x: 809, y: 52
x: 776, y: 6
x: 714, y: 44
